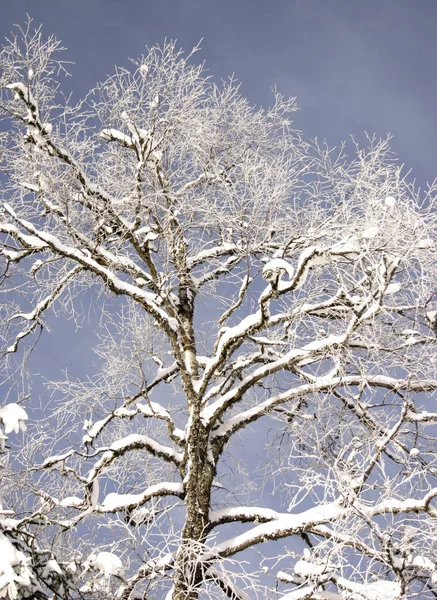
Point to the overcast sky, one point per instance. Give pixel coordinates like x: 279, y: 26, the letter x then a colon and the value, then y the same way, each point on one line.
x: 354, y: 65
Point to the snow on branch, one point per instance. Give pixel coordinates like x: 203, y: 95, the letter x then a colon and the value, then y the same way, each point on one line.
x: 41, y: 307
x: 13, y: 417
x: 277, y: 279
x: 43, y: 240
x: 152, y: 409
x: 116, y: 502
x: 324, y: 384
x: 280, y: 525
x: 132, y: 442
x: 112, y: 135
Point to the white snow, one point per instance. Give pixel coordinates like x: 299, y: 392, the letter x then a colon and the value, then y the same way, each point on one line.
x: 303, y: 266
x: 299, y: 593
x: 275, y: 267
x: 229, y: 334
x: 373, y: 308
x: 414, y: 452
x: 305, y: 255
x: 155, y: 102
x: 390, y: 201
x: 267, y: 341
x: 234, y: 512
x: 346, y: 247
x: 3, y: 439
x: 30, y: 186
x: 94, y: 430
x: 325, y: 342
x: 410, y: 332
x: 12, y: 560
x: 157, y: 155
x: 285, y: 523
x: 111, y: 135
x: 13, y: 417
x: 71, y: 501
x: 56, y: 461
x: 22, y: 90
x: 425, y: 243
x: 114, y: 501
x: 107, y: 563
x: 392, y: 288
x: 12, y: 255
x: 163, y: 372
x: 421, y: 562
x: 94, y: 497
x: 370, y: 232
x: 149, y: 236
x: 374, y: 590
x: 305, y: 569
x: 36, y: 265
x: 320, y: 260
x: 209, y: 253
x: 51, y: 567
x: 284, y: 577
x: 144, y: 231
x: 142, y: 515
x: 144, y: 134
x: 136, y: 439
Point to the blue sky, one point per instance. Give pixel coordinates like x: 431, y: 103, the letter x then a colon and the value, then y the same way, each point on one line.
x: 354, y: 66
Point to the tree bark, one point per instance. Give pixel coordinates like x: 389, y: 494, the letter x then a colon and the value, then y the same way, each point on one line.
x: 189, y: 572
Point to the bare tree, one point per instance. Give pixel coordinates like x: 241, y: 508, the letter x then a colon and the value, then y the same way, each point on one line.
x: 266, y: 312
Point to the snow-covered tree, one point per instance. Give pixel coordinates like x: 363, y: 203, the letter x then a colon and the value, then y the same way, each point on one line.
x: 265, y: 312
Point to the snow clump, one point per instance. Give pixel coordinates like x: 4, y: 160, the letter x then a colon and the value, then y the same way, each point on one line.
x: 390, y: 201
x: 275, y: 267
x: 14, y: 571
x: 13, y: 417
x: 425, y: 243
x: 370, y: 232
x: 107, y: 563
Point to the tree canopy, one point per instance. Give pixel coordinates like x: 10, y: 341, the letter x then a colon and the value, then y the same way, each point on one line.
x: 266, y: 314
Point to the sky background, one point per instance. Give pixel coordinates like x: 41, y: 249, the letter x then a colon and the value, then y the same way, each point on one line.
x: 355, y: 66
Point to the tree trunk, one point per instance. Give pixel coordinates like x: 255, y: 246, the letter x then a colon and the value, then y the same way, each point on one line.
x: 189, y: 571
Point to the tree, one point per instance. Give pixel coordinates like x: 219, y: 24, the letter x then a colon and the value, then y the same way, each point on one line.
x: 246, y: 285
